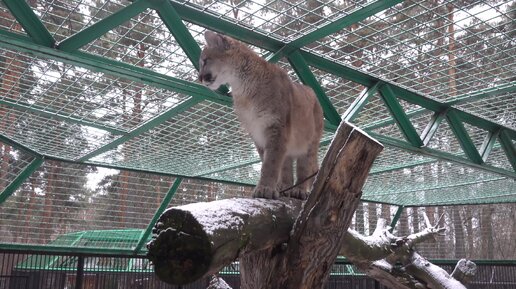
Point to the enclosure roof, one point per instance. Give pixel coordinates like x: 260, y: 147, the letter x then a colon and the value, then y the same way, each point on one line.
x: 113, y: 84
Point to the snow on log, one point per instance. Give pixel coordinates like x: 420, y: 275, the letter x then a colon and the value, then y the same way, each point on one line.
x: 196, y: 240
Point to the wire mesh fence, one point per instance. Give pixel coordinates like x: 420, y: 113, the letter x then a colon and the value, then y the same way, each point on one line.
x: 66, y: 271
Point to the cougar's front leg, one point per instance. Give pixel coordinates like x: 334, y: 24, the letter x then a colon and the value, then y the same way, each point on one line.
x: 273, y: 158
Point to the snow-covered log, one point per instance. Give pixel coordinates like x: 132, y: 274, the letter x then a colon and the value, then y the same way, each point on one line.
x: 197, y: 240
x: 394, y: 262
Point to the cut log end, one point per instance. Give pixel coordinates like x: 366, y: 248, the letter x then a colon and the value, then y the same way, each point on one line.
x: 180, y: 251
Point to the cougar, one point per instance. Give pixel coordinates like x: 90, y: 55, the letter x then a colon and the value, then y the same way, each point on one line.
x: 283, y: 118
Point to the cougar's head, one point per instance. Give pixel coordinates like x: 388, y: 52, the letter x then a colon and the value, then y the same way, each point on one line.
x: 214, y: 67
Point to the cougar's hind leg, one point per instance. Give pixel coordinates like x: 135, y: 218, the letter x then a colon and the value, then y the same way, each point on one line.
x: 307, y: 165
x: 286, y: 176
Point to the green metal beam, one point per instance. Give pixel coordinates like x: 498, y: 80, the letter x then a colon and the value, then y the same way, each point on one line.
x: 228, y: 167
x: 198, y: 15
x: 32, y: 108
x: 164, y: 203
x: 343, y: 22
x: 402, y: 93
x: 143, y: 128
x: 103, y: 26
x: 112, y: 67
x: 455, y: 101
x: 489, y: 92
x: 20, y: 178
x: 439, y: 154
x: 360, y: 102
x: 462, y: 136
x: 488, y: 144
x: 28, y: 248
x: 307, y: 77
x: 20, y: 146
x: 439, y: 187
x: 30, y: 22
x: 399, y: 115
x: 433, y: 125
x: 508, y: 147
x: 396, y: 217
x: 175, y: 25
x: 401, y: 166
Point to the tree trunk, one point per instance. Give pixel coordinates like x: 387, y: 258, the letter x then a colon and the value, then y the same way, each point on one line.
x: 460, y: 250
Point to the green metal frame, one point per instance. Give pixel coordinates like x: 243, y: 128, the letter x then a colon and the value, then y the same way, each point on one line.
x: 164, y: 203
x: 41, y: 44
x: 396, y: 218
x: 360, y: 102
x: 103, y: 26
x: 20, y: 179
x: 30, y: 22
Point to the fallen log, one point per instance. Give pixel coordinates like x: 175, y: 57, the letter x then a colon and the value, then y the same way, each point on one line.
x: 197, y: 240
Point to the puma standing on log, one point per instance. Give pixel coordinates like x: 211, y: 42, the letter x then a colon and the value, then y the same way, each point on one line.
x: 284, y: 118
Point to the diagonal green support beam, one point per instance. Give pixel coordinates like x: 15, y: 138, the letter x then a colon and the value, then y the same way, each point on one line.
x: 399, y: 115
x: 508, y: 147
x: 164, y: 203
x: 20, y: 179
x: 511, y: 87
x: 343, y: 22
x: 143, y: 128
x: 30, y: 22
x: 103, y: 26
x: 433, y: 125
x: 175, y: 25
x: 463, y: 137
x: 307, y: 77
x: 360, y: 102
x: 54, y: 114
x: 396, y: 217
x: 488, y: 144
x: 402, y: 93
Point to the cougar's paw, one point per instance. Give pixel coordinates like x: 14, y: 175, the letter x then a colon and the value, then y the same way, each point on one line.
x: 297, y: 193
x: 265, y: 192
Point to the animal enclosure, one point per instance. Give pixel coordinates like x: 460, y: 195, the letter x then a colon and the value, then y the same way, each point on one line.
x: 103, y: 125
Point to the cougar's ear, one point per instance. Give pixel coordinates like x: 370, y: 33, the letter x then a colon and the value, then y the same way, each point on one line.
x: 216, y: 40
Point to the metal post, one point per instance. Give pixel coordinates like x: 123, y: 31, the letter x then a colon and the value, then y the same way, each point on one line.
x: 164, y: 203
x: 396, y: 217
x: 80, y: 272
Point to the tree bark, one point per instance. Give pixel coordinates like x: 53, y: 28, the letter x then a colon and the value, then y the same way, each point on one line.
x: 319, y: 230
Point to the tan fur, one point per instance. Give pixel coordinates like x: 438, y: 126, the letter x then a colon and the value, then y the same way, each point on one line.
x: 283, y: 118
